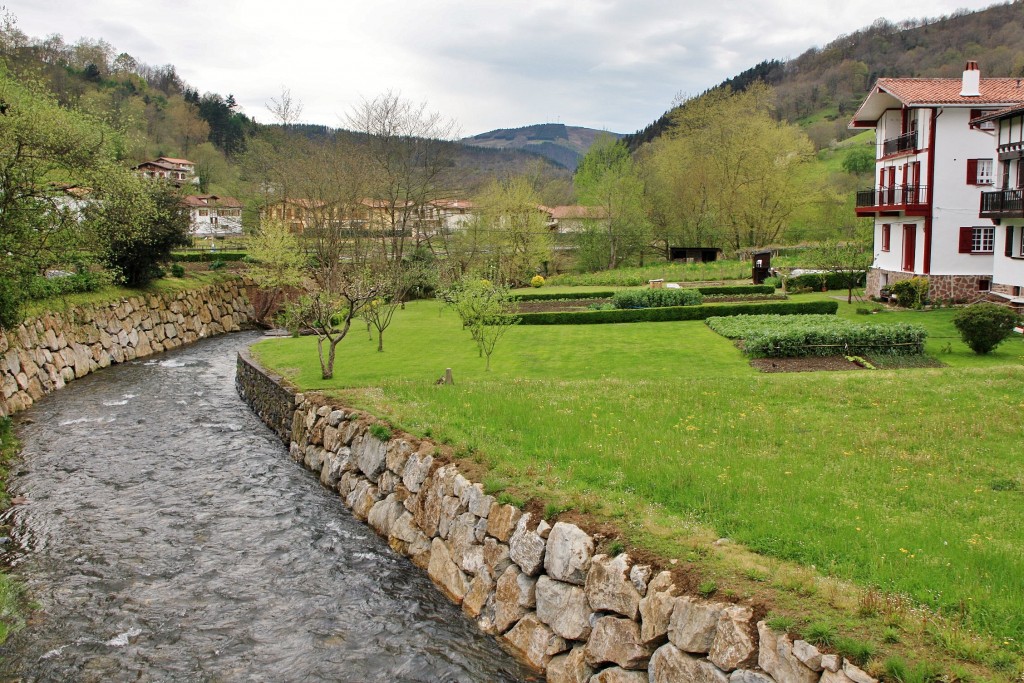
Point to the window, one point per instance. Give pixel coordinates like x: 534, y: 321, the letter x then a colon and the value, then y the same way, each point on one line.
x: 984, y: 285
x: 979, y: 171
x: 886, y: 236
x: 977, y: 240
x: 1021, y: 252
x: 204, y: 212
x: 987, y: 125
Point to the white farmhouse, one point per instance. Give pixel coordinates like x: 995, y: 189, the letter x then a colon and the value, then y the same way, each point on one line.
x: 932, y: 164
x: 1005, y: 205
x: 213, y: 215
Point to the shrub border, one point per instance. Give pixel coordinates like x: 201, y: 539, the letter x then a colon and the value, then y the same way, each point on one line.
x: 675, y: 313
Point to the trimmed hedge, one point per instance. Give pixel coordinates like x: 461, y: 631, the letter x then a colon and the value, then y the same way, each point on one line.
x: 39, y: 287
x: 832, y: 280
x: 771, y: 336
x: 656, y: 298
x: 674, y: 313
x: 564, y: 296
x: 207, y: 256
x: 728, y: 290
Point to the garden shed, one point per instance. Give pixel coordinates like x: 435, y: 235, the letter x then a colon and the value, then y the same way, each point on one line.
x: 694, y: 254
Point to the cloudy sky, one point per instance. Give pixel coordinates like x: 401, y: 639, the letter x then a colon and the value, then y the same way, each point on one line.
x: 609, y: 64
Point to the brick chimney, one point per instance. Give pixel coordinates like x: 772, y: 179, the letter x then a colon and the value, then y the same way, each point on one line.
x: 972, y: 80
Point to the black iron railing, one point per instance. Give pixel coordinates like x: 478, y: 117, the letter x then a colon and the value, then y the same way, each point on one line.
x: 900, y: 143
x: 893, y: 195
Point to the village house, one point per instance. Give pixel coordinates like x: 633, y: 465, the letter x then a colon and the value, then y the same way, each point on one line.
x: 212, y: 215
x: 1004, y: 205
x: 177, y: 171
x: 935, y: 155
x: 573, y: 219
x: 371, y: 216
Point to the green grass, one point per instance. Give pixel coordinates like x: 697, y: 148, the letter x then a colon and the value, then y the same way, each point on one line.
x: 11, y: 592
x: 892, y: 479
x: 672, y: 272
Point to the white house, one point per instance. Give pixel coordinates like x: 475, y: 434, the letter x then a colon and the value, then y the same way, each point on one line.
x: 178, y: 171
x: 932, y: 164
x: 1004, y: 205
x: 213, y: 215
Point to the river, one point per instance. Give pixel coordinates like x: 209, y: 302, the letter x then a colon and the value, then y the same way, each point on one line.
x: 167, y: 536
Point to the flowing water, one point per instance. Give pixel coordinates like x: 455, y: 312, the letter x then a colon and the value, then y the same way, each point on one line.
x: 167, y: 536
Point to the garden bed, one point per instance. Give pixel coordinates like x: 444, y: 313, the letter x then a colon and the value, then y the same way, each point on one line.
x: 805, y: 364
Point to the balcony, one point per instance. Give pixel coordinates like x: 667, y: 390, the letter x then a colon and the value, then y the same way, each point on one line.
x: 900, y: 144
x: 1002, y: 204
x: 908, y: 199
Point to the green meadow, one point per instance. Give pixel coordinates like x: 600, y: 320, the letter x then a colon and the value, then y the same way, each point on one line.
x: 906, y: 481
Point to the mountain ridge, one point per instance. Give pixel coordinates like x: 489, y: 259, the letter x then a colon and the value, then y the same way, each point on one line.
x: 561, y: 144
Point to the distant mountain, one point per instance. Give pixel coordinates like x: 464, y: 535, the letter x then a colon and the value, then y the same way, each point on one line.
x: 822, y: 87
x: 564, y: 145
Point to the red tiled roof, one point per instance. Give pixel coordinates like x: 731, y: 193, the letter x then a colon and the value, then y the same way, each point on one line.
x: 1006, y: 112
x: 576, y: 212
x: 947, y: 90
x: 212, y: 200
x: 172, y: 160
x: 158, y: 164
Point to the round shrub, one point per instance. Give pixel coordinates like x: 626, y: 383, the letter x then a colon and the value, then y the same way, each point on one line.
x: 537, y: 281
x: 984, y: 326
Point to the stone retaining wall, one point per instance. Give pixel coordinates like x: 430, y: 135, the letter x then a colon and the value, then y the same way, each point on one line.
x: 540, y: 589
x: 44, y: 353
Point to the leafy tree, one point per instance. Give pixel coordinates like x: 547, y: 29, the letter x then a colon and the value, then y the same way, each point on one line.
x: 846, y: 260
x: 860, y: 160
x: 278, y: 264
x: 729, y: 164
x: 509, y: 236
x: 407, y: 159
x: 984, y: 326
x: 486, y: 310
x: 607, y: 181
x: 379, y: 312
x: 135, y: 224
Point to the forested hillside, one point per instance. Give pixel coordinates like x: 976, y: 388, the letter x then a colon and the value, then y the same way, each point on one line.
x: 823, y: 86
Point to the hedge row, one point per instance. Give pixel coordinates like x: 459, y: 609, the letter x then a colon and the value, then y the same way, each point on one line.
x: 656, y: 298
x: 736, y: 289
x: 832, y: 280
x: 207, y: 256
x: 771, y: 336
x: 39, y: 287
x: 675, y: 313
x: 561, y: 296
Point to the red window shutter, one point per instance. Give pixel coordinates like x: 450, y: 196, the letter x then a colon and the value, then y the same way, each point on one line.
x: 1009, y: 240
x: 972, y: 171
x: 966, y: 240
x: 886, y: 236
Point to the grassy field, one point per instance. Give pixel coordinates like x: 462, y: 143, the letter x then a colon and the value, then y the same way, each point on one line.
x: 907, y: 481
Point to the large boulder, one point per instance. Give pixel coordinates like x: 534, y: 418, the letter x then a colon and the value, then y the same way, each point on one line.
x: 564, y: 608
x: 775, y: 655
x: 371, y: 454
x: 534, y: 642
x: 693, y: 624
x: 514, y: 595
x: 669, y: 664
x: 526, y: 546
x: 502, y: 520
x: 570, y: 668
x: 617, y: 675
x: 443, y: 572
x: 734, y: 643
x: 656, y: 608
x: 609, y: 587
x: 569, y: 553
x: 616, y: 640
x: 384, y: 513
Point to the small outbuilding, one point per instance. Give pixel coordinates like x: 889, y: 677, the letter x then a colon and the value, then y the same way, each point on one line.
x: 694, y: 254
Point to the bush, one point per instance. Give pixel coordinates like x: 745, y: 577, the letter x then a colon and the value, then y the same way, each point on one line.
x: 737, y: 289
x: 561, y: 296
x: 912, y: 293
x: 656, y: 298
x: 771, y: 336
x: 985, y: 326
x: 674, y: 313
x: 207, y: 256
x: 10, y: 303
x: 177, y: 270
x: 537, y: 281
x: 813, y: 281
x: 218, y: 264
x: 39, y: 287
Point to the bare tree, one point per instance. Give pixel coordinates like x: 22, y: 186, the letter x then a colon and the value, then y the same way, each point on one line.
x: 286, y: 109
x: 379, y: 313
x: 408, y: 152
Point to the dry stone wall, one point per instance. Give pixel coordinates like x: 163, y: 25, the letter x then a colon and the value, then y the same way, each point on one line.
x: 46, y: 352
x: 541, y: 589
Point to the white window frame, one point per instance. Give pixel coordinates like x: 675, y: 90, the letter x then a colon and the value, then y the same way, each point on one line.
x: 983, y: 240
x: 986, y: 172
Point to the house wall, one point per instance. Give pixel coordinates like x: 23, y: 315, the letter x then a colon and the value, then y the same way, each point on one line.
x: 1008, y: 271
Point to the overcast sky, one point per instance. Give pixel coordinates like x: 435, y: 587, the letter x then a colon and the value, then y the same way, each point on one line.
x: 609, y: 64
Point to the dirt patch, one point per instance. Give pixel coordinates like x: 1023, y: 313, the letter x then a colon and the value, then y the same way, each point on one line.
x: 809, y: 364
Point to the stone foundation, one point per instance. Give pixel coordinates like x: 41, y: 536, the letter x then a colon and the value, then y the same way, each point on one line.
x: 945, y: 288
x: 44, y: 353
x: 542, y: 590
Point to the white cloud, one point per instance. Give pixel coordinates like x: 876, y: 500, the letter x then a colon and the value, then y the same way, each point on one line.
x: 614, y: 64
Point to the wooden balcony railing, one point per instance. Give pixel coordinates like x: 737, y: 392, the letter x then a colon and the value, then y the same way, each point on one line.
x: 1002, y: 204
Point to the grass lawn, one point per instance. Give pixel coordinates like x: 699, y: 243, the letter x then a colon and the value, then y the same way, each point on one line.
x: 908, y: 481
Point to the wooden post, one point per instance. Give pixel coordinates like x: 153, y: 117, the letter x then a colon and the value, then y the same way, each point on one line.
x: 448, y: 376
